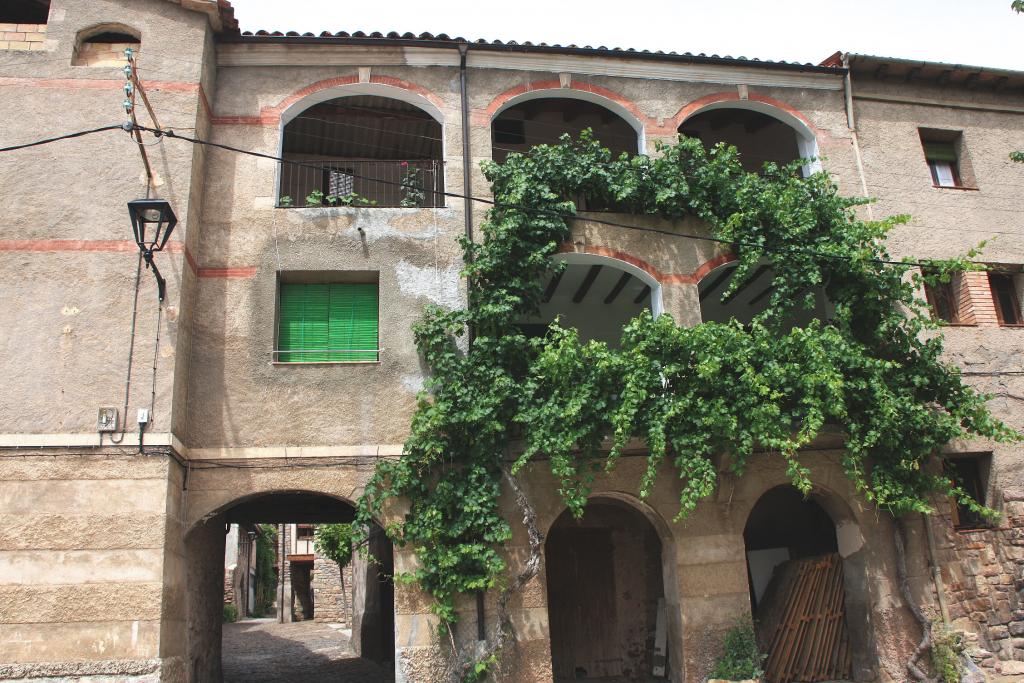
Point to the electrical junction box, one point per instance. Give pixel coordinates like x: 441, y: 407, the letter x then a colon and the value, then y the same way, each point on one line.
x: 143, y: 416
x: 106, y: 421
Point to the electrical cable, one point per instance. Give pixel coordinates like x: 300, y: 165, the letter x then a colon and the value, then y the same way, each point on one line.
x: 131, y: 351
x: 68, y: 136
x: 526, y: 209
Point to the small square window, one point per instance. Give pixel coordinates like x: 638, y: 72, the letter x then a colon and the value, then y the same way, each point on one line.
x: 971, y: 474
x: 327, y: 322
x: 1004, y: 296
x: 944, y: 153
x: 943, y: 299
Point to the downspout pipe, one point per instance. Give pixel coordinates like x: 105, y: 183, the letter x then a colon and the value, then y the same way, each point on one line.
x: 467, y: 166
x: 467, y: 191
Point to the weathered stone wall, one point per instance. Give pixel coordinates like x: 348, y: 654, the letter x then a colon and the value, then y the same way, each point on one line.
x: 985, y: 569
x: 332, y: 591
x: 82, y: 562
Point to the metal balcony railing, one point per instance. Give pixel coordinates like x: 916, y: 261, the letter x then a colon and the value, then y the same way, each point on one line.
x: 356, y: 182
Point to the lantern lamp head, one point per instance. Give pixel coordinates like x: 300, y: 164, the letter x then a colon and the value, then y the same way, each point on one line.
x: 153, y: 222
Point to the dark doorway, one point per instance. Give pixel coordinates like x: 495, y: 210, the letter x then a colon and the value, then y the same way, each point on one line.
x: 605, y: 591
x: 797, y: 589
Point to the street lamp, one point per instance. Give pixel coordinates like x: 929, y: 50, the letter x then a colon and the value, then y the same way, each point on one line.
x: 153, y: 221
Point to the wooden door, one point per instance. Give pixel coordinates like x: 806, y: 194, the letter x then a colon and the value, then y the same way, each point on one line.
x: 581, y: 603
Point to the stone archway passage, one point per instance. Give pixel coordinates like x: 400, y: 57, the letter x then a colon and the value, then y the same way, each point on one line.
x: 605, y: 591
x: 797, y: 589
x: 257, y: 650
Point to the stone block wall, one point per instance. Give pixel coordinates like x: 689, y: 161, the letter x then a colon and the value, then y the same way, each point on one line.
x: 102, y: 54
x: 985, y: 587
x: 22, y: 37
x: 332, y: 590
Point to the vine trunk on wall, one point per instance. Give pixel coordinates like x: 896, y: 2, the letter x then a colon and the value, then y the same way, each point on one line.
x: 702, y: 398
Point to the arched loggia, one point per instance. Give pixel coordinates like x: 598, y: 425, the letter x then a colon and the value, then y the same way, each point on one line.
x: 543, y: 117
x: 760, y: 131
x: 379, y: 143
x: 597, y: 295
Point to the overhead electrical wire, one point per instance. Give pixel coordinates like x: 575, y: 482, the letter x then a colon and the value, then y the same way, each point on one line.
x: 455, y: 195
x: 67, y: 136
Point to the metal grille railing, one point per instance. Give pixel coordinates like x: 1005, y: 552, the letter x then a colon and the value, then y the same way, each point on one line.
x: 340, y: 182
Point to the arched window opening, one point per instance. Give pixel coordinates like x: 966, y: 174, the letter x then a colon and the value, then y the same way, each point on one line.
x: 362, y: 150
x: 751, y: 298
x: 597, y: 296
x: 24, y: 11
x: 104, y: 45
x: 606, y: 596
x: 543, y: 121
x: 758, y: 137
x: 797, y: 589
x: 253, y: 571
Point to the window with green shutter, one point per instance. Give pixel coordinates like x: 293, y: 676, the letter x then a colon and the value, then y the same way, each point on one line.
x: 327, y: 323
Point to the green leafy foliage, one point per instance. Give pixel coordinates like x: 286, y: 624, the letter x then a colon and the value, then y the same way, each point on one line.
x: 703, y: 398
x: 741, y: 659
x: 335, y: 542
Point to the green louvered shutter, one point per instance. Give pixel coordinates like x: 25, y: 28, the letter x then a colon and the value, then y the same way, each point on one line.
x: 939, y: 151
x: 327, y: 322
x: 353, y: 322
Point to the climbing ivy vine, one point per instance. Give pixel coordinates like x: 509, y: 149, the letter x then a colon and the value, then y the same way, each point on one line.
x: 702, y: 398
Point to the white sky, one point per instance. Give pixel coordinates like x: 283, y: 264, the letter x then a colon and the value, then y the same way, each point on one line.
x: 978, y: 32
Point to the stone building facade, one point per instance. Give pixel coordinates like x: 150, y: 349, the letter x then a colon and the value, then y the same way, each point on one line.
x: 239, y: 432
x: 240, y: 569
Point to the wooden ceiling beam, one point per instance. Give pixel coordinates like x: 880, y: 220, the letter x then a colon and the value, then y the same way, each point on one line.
x: 617, y: 289
x: 549, y: 291
x: 587, y: 283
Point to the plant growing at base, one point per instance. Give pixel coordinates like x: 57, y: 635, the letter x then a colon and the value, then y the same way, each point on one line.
x: 741, y: 659
x: 947, y: 653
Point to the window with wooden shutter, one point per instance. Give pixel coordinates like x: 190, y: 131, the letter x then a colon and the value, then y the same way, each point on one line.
x: 325, y: 323
x: 943, y: 298
x: 945, y: 153
x: 1004, y: 296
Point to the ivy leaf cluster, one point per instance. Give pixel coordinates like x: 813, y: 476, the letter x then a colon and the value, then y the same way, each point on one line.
x: 701, y: 400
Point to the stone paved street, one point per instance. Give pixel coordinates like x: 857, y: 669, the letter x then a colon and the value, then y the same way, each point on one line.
x: 261, y: 650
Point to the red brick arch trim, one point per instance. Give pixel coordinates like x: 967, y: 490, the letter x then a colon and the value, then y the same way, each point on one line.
x: 271, y: 116
x: 483, y: 117
x: 662, y: 277
x: 731, y: 96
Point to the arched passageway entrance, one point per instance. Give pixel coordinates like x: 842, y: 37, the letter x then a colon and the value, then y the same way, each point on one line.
x: 606, y: 598
x: 797, y: 589
x: 323, y: 622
